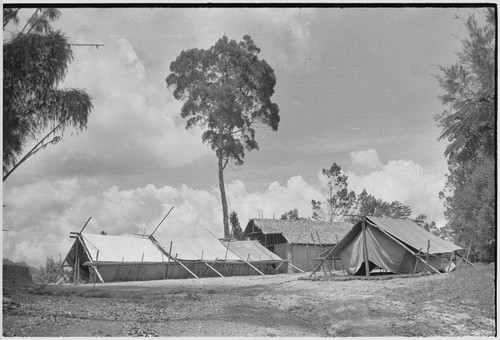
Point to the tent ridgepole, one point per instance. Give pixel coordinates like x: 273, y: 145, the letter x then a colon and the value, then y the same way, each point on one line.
x: 365, y: 249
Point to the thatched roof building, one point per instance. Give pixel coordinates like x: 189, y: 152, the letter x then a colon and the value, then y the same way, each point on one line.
x: 270, y: 231
x: 297, y: 241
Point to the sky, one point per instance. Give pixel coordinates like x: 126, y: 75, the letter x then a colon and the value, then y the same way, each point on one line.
x: 355, y: 86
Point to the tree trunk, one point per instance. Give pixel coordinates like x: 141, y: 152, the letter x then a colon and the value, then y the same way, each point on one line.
x: 225, y: 213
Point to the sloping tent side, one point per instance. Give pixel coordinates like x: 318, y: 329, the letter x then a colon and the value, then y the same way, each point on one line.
x: 252, y: 251
x: 83, y: 257
x: 413, y: 235
x: 122, y: 248
x: 257, y: 256
x: 197, y: 249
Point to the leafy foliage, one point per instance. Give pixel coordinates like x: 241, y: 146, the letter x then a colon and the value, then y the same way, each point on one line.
x: 227, y: 92
x: 337, y: 199
x: 431, y: 227
x: 469, y: 125
x: 291, y: 215
x: 372, y: 206
x: 35, y: 62
x: 236, y: 231
x: 51, y: 272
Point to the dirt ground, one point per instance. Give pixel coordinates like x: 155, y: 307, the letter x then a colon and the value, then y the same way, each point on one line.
x: 454, y: 304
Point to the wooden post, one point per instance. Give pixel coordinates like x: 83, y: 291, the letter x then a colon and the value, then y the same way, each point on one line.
x: 451, y: 261
x: 467, y: 257
x: 78, y: 278
x: 209, y: 266
x: 81, y: 231
x: 297, y: 268
x: 365, y: 249
x: 416, y: 261
x: 227, y: 249
x: 76, y: 261
x: 319, y: 240
x: 168, y: 263
x: 427, y: 256
x: 307, y: 256
x: 94, y: 267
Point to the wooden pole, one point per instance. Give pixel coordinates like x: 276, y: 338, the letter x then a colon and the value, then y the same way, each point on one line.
x: 209, y: 266
x: 464, y: 260
x: 300, y: 270
x: 170, y: 255
x: 168, y: 263
x: 416, y: 261
x: 162, y: 221
x: 76, y: 261
x: 427, y: 256
x: 227, y: 249
x: 365, y: 249
x: 307, y: 255
x: 94, y: 267
x: 319, y: 241
x: 467, y: 257
x: 78, y: 272
x: 81, y: 231
x: 451, y: 261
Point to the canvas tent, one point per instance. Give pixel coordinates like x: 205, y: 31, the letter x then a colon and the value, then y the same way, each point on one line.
x: 298, y: 241
x: 391, y: 244
x: 135, y: 258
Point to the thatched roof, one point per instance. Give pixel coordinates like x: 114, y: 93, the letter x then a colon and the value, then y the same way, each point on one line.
x: 299, y: 231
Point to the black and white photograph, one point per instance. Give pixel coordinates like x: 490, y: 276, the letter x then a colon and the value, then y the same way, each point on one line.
x: 249, y: 169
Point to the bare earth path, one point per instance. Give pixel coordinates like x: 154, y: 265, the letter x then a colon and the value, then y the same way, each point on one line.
x: 456, y: 304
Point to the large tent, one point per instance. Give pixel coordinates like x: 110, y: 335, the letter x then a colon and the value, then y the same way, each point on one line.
x: 395, y: 245
x: 138, y: 258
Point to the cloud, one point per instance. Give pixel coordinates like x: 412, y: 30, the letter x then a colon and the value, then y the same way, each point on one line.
x: 397, y: 180
x: 365, y: 161
x: 273, y: 202
x: 132, y: 127
x: 55, y: 209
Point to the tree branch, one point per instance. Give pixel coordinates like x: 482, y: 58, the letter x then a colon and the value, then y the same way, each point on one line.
x: 34, y: 150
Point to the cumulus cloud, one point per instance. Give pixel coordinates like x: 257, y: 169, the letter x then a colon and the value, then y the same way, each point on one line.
x: 58, y: 208
x: 132, y: 127
x: 397, y: 180
x: 364, y: 161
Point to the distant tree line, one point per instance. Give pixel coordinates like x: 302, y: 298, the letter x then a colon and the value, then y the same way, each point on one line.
x: 338, y: 201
